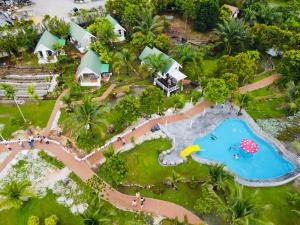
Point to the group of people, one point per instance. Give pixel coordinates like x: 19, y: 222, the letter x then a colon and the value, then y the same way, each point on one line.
x: 39, y: 138
x: 138, y: 198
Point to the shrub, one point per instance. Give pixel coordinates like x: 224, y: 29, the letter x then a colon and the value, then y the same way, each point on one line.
x: 51, y: 220
x: 51, y: 160
x: 114, y: 170
x: 33, y: 220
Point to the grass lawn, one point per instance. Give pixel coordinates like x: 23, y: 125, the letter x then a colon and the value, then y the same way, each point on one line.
x: 42, y: 208
x: 37, y: 114
x: 267, y: 103
x: 144, y: 169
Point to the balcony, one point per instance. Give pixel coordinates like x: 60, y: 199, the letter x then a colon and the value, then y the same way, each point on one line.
x: 167, y: 84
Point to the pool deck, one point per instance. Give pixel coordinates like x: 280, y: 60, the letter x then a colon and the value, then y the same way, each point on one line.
x: 184, y: 133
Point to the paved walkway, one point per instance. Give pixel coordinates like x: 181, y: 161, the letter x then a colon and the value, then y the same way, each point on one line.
x: 259, y: 84
x: 120, y: 200
x: 55, y: 110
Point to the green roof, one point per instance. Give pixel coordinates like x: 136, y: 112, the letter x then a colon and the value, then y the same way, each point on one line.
x: 154, y: 51
x: 77, y: 32
x: 48, y: 40
x: 61, y: 42
x: 105, y: 68
x: 92, y: 61
x: 113, y: 20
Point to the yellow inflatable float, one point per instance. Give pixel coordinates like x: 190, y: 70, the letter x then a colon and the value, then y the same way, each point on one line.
x: 189, y: 150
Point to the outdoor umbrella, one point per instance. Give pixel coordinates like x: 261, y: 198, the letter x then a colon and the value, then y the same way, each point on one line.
x: 249, y: 146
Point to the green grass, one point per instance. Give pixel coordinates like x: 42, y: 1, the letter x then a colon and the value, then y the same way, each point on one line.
x: 42, y: 208
x: 143, y: 167
x: 267, y: 103
x: 37, y: 114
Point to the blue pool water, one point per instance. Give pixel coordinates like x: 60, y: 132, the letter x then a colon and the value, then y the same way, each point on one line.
x: 264, y: 164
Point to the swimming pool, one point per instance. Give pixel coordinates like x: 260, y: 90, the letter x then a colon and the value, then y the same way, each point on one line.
x: 267, y: 163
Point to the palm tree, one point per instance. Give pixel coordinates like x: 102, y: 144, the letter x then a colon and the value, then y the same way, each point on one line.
x: 186, y: 53
x: 10, y: 93
x: 96, y: 213
x: 124, y: 59
x: 218, y: 177
x: 156, y: 62
x: 32, y: 93
x: 232, y: 33
x: 14, y: 194
x: 149, y: 24
x: 67, y: 100
x: 239, y: 208
x: 243, y: 101
x: 87, y: 117
x: 175, y: 178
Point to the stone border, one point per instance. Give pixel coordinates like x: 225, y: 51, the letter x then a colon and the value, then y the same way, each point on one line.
x: 277, y: 145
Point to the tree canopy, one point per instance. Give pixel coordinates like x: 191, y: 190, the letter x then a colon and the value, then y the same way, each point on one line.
x: 216, y: 90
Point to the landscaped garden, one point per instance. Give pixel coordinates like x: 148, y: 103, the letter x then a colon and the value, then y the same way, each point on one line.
x: 143, y: 169
x: 195, y: 52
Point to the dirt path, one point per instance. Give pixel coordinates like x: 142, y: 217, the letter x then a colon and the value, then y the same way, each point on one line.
x: 259, y: 84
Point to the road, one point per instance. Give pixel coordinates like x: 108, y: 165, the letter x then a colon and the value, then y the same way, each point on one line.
x: 59, y: 8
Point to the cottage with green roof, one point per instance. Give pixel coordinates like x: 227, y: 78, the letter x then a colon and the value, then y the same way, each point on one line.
x: 170, y: 77
x: 80, y: 37
x: 46, y: 48
x: 91, y: 70
x: 118, y: 29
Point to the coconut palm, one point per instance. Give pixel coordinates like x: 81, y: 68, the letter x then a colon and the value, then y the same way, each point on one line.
x: 10, y: 93
x: 186, y: 53
x: 175, y: 178
x: 124, y: 59
x: 32, y: 93
x: 67, y: 100
x: 87, y: 118
x: 239, y: 208
x: 96, y: 213
x: 218, y: 177
x: 149, y: 24
x: 14, y: 194
x: 156, y: 62
x: 232, y: 33
x: 243, y: 100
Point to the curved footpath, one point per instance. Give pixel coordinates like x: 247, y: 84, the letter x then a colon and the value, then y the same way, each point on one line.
x: 120, y: 200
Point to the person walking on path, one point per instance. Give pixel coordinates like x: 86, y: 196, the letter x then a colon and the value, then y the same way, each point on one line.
x: 142, y: 200
x: 30, y: 143
x: 137, y: 195
x: 21, y: 144
x: 134, y: 203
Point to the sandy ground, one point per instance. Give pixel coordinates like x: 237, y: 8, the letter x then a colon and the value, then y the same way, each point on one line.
x: 59, y: 8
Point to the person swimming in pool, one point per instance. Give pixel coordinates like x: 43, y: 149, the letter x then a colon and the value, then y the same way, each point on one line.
x: 213, y: 137
x: 236, y: 156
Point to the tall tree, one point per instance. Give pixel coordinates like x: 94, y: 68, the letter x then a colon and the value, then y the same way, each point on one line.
x: 157, y: 62
x: 124, y: 59
x: 207, y: 12
x: 56, y: 26
x: 14, y: 193
x: 104, y: 31
x: 243, y: 101
x: 87, y: 118
x: 149, y: 24
x: 151, y: 100
x: 216, y: 90
x: 290, y: 66
x: 233, y: 33
x: 10, y: 93
x: 218, y: 177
